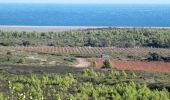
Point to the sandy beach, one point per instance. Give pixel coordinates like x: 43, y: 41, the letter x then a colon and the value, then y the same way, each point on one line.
x: 64, y: 28
x: 46, y: 28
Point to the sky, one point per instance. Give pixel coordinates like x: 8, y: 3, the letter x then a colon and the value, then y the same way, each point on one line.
x: 91, y: 1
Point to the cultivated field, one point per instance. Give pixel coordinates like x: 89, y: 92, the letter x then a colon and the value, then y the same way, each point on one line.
x: 88, y: 50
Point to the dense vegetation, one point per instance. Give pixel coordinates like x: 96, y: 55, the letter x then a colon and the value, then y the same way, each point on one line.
x: 86, y: 84
x: 95, y: 38
x: 157, y: 57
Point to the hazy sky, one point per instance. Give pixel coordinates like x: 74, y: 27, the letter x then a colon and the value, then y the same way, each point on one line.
x: 92, y: 1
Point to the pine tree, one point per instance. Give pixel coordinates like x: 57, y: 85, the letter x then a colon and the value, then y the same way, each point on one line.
x: 107, y: 64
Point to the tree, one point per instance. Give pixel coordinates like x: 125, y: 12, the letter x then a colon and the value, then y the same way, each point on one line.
x: 94, y: 64
x: 107, y: 64
x: 8, y: 55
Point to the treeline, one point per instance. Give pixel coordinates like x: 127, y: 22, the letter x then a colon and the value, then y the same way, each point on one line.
x: 158, y: 38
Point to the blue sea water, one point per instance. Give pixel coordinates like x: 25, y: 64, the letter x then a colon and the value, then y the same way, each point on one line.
x: 85, y: 15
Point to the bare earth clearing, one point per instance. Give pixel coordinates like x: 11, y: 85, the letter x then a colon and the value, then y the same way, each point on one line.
x: 81, y: 63
x: 149, y: 66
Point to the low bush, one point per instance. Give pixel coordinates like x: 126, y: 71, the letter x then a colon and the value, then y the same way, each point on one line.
x: 157, y: 57
x: 21, y: 61
x: 154, y: 57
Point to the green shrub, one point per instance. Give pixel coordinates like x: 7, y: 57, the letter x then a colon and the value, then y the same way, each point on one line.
x: 89, y: 72
x: 9, y: 53
x: 112, y: 73
x: 94, y: 64
x: 107, y: 64
x: 21, y: 61
x: 134, y: 75
x: 154, y: 56
x: 1, y: 96
x: 123, y: 74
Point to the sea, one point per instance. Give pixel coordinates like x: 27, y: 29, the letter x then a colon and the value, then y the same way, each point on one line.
x: 118, y: 15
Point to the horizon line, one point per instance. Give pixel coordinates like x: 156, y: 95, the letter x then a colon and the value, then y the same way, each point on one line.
x: 85, y: 3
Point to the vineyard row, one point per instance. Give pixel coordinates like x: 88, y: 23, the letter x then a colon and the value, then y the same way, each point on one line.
x: 87, y: 50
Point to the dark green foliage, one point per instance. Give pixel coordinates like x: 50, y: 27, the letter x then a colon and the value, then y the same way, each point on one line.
x: 9, y: 53
x: 154, y: 57
x: 166, y: 58
x: 95, y: 38
x: 107, y: 64
x: 157, y: 57
x: 94, y: 64
x: 21, y: 61
x: 26, y: 43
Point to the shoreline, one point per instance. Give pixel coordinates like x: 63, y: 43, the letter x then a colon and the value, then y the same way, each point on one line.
x: 67, y: 28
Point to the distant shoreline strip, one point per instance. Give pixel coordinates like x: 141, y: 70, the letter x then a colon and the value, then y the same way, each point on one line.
x: 65, y: 28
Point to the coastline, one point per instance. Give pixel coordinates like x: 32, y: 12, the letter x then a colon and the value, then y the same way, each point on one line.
x: 66, y: 28
x: 45, y: 28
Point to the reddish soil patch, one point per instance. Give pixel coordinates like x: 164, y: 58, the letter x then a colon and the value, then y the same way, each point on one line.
x: 149, y: 66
